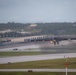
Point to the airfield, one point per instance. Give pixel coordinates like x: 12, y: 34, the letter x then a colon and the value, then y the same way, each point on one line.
x: 16, y: 59
x: 41, y: 46
x: 50, y: 51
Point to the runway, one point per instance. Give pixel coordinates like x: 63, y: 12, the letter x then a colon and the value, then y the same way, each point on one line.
x: 21, y: 48
x: 41, y: 46
x: 37, y: 70
x: 15, y: 59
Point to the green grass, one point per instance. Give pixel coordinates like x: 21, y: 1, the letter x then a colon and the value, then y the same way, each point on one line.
x: 56, y: 63
x: 3, y: 54
x: 17, y: 53
x: 36, y: 73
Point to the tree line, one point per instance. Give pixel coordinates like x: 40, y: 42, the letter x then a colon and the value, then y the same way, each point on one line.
x: 55, y: 28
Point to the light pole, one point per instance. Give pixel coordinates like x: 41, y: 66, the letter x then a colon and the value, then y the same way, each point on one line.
x: 66, y: 66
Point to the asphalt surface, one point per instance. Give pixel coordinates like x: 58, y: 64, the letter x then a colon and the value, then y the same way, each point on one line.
x: 20, y: 48
x: 41, y: 46
x: 37, y: 70
x: 15, y: 59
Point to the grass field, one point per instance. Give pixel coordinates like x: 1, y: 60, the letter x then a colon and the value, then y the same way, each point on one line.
x: 56, y: 63
x: 3, y: 54
x: 36, y: 73
x: 43, y: 51
x: 7, y: 54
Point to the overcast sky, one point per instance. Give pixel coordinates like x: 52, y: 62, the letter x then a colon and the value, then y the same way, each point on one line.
x: 24, y: 11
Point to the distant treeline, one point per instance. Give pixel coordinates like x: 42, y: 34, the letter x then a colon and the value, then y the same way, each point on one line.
x: 55, y: 28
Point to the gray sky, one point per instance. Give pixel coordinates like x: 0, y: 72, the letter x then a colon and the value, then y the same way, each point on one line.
x: 24, y: 11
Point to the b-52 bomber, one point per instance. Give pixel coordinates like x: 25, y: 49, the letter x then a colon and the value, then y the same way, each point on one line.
x: 55, y: 39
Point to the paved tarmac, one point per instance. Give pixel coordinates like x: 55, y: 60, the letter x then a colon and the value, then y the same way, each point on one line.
x: 39, y: 45
x: 37, y: 70
x: 20, y: 48
x: 15, y: 59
